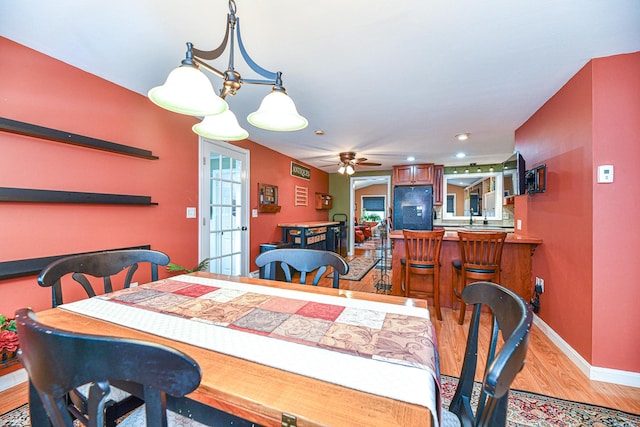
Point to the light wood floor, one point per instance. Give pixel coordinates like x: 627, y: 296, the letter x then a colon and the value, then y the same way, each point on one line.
x: 547, y: 370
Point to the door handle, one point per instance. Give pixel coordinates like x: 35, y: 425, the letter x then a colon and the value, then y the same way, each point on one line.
x: 244, y: 228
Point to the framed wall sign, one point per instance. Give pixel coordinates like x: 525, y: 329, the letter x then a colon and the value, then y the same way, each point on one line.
x: 300, y: 171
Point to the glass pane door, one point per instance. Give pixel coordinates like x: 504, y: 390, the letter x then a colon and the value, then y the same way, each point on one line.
x: 224, y: 237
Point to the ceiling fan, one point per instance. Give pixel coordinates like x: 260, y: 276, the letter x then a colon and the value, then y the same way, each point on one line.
x: 348, y: 160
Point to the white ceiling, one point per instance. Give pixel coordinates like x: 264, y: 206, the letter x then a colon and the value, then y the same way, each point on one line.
x: 384, y: 79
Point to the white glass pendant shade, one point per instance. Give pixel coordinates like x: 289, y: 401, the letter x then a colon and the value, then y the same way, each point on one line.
x: 223, y: 127
x: 350, y: 170
x: 188, y: 91
x: 341, y: 169
x: 277, y: 112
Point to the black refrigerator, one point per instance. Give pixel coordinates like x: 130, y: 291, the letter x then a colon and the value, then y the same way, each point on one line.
x: 413, y: 207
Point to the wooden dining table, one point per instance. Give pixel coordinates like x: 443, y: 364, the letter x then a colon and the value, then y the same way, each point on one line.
x: 268, y: 395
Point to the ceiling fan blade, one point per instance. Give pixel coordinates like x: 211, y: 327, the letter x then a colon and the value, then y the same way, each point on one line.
x: 369, y: 164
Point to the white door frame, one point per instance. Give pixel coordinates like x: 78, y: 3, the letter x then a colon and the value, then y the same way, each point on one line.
x: 352, y: 196
x: 203, y: 217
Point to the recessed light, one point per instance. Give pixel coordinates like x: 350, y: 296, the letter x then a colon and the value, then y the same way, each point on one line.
x: 461, y: 155
x: 319, y: 132
x: 411, y: 158
x: 463, y: 136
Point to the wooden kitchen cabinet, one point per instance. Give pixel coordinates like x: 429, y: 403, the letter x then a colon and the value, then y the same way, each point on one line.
x: 413, y: 174
x: 438, y: 175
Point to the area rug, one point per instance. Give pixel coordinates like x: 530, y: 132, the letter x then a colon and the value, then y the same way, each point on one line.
x: 537, y: 410
x: 525, y: 409
x: 19, y: 417
x: 358, y: 268
x: 370, y: 246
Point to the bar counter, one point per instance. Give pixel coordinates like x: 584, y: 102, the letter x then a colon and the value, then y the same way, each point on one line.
x: 516, y: 270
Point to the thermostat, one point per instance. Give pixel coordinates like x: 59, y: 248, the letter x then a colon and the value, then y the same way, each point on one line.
x: 605, y: 173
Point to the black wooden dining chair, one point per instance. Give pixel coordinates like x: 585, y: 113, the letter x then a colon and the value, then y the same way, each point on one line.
x: 303, y: 260
x: 59, y: 361
x: 512, y: 317
x: 99, y: 265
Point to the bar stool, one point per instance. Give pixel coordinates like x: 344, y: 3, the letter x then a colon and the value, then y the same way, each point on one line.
x: 480, y: 259
x: 423, y: 258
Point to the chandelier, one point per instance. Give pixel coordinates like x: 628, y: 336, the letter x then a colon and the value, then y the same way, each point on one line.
x: 188, y: 90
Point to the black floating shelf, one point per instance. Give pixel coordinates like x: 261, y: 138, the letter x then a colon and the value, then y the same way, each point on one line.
x: 28, y: 129
x: 29, y: 267
x: 55, y: 196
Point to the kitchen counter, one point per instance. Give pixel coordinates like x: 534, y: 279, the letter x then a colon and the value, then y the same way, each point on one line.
x: 308, y: 224
x: 516, y: 271
x: 475, y: 226
x: 309, y: 234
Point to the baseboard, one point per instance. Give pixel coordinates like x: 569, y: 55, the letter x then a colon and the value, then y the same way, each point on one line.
x: 616, y: 376
x: 595, y: 373
x: 13, y: 379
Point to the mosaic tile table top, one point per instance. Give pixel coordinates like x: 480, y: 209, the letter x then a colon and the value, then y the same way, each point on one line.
x: 380, y: 348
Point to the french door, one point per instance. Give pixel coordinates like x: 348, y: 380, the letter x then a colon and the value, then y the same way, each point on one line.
x: 224, y: 207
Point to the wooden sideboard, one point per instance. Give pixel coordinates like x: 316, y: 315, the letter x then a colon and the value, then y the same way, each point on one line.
x: 516, y: 265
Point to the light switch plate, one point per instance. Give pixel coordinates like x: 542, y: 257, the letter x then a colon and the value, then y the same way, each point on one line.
x: 254, y: 213
x: 191, y: 212
x: 605, y: 174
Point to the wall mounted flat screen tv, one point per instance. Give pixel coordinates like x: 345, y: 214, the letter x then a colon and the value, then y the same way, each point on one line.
x: 513, y: 173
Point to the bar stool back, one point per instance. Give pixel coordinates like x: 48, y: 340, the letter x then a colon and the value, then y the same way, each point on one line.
x: 423, y: 258
x: 480, y: 259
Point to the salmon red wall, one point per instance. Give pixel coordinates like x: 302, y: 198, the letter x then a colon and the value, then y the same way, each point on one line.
x: 585, y: 258
x: 37, y: 89
x: 276, y: 171
x: 616, y: 270
x: 559, y: 135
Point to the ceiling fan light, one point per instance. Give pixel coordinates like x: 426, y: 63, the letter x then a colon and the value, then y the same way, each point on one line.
x: 223, y: 127
x: 350, y: 170
x: 277, y: 112
x: 188, y: 91
x: 341, y: 169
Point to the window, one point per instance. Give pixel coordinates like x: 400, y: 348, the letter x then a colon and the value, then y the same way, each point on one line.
x: 373, y: 205
x: 451, y: 204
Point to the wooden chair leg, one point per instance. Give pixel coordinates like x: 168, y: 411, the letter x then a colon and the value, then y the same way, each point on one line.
x: 407, y: 281
x: 463, y: 310
x: 436, y: 293
x: 457, y: 292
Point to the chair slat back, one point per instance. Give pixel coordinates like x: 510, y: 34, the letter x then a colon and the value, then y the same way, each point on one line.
x: 423, y: 246
x: 512, y: 318
x: 303, y: 260
x: 59, y: 361
x: 481, y: 250
x: 99, y: 264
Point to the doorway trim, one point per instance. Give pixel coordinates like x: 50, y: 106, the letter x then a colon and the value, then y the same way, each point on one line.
x: 352, y: 195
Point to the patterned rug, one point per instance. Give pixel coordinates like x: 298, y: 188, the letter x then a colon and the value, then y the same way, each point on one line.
x: 358, y: 268
x: 525, y: 409
x: 537, y: 410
